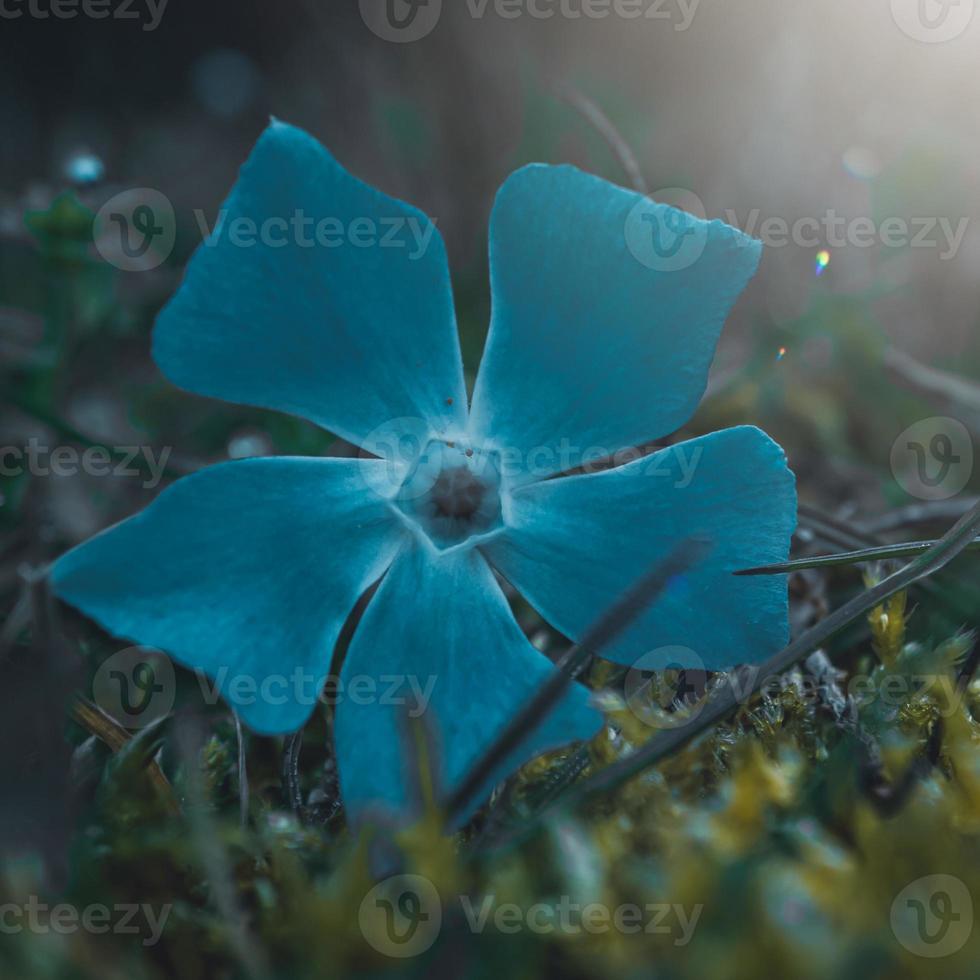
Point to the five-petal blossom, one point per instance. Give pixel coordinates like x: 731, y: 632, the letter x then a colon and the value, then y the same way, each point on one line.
x: 250, y: 569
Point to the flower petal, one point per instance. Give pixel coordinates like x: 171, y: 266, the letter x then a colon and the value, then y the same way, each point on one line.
x: 592, y: 345
x: 246, y: 571
x: 320, y: 296
x: 576, y: 544
x: 440, y: 624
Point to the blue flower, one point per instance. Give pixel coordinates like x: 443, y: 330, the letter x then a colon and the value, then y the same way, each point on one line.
x: 341, y: 311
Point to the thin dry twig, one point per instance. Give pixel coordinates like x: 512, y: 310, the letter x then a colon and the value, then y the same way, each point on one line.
x: 105, y: 728
x: 594, y: 115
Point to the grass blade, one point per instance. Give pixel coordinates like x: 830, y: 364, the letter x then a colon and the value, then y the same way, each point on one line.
x: 606, y: 629
x: 877, y: 553
x: 739, y: 690
x: 943, y: 551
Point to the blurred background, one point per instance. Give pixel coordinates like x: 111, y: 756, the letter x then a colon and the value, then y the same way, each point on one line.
x: 842, y: 134
x: 836, y: 133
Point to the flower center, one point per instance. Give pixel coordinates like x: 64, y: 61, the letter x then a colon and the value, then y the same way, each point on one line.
x: 458, y: 493
x: 452, y: 493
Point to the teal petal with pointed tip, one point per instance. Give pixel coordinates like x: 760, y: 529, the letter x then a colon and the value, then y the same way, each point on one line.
x: 439, y: 624
x: 595, y: 344
x: 245, y: 571
x: 575, y: 544
x: 320, y: 296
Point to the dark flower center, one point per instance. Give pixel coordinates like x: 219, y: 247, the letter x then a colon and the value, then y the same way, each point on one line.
x: 458, y: 493
x: 452, y: 493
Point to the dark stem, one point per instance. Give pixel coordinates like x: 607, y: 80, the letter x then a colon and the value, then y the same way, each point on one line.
x: 290, y: 772
x: 242, y: 771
